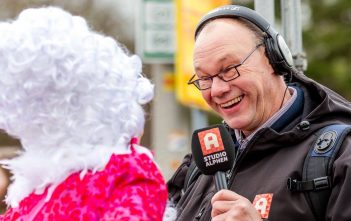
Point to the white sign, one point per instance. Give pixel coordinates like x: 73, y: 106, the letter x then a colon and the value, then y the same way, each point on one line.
x: 155, y: 41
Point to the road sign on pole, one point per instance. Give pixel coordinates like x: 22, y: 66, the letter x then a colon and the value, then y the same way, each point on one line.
x: 155, y: 34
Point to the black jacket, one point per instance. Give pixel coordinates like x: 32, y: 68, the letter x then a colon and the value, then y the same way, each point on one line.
x: 272, y: 156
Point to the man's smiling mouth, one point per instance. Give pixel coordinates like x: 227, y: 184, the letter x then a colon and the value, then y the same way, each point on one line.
x: 233, y: 102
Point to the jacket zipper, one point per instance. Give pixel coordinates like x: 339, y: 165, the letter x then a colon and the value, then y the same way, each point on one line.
x: 239, y: 157
x: 193, y: 173
x: 198, y: 216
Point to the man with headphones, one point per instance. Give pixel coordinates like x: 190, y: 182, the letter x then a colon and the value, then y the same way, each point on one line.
x: 245, y: 72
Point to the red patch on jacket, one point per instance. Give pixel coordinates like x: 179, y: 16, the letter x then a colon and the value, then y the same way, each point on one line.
x: 262, y: 203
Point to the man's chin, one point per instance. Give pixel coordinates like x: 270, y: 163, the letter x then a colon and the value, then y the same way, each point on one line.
x: 235, y: 124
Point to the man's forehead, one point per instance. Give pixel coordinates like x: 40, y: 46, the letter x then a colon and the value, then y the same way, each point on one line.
x: 227, y: 23
x: 216, y: 37
x: 224, y: 31
x: 198, y: 66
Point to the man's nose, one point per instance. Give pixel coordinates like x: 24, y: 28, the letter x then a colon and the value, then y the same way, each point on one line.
x: 219, y: 87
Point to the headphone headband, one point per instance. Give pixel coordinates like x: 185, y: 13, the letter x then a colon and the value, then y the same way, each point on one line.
x: 235, y: 11
x: 278, y: 52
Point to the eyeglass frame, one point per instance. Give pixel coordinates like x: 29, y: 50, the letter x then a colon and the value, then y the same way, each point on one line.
x: 195, y: 82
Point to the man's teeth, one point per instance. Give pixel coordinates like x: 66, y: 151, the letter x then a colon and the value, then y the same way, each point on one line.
x: 234, y: 101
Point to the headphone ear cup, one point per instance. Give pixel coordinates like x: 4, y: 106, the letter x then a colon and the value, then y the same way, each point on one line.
x: 272, y: 55
x: 285, y: 55
x: 278, y: 54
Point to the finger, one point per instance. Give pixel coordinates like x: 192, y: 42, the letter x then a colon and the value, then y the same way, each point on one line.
x: 239, y: 210
x: 220, y: 207
x: 225, y: 195
x: 219, y: 217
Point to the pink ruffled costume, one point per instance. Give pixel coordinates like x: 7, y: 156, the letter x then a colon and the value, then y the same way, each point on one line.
x: 129, y: 188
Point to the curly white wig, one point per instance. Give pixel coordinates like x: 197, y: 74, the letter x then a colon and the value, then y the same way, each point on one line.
x: 70, y: 95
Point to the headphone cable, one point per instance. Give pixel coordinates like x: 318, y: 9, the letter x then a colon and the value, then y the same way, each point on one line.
x: 286, y: 89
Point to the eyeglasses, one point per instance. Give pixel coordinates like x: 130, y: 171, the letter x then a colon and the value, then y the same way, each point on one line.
x: 228, y: 74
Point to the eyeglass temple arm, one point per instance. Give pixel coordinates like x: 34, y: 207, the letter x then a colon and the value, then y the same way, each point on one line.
x: 247, y: 57
x: 190, y: 81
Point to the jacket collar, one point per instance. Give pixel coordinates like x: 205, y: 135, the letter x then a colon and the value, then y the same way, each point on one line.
x: 293, y: 112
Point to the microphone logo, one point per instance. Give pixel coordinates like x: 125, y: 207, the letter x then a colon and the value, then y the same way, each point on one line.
x: 210, y: 141
x: 212, y: 147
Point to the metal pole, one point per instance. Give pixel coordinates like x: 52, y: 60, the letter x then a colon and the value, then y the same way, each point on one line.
x: 170, y: 126
x: 266, y: 9
x: 292, y: 31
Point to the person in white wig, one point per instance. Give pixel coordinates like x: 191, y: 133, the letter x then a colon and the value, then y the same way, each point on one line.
x: 73, y: 97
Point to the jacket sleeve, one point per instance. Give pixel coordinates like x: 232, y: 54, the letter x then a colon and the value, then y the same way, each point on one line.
x: 176, y: 183
x: 339, y: 205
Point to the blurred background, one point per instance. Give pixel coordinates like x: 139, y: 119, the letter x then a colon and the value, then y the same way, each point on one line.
x: 161, y: 33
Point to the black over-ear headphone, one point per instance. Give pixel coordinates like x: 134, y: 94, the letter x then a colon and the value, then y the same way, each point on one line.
x: 277, y: 50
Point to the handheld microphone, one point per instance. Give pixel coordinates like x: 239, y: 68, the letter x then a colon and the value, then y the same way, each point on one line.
x: 213, y: 151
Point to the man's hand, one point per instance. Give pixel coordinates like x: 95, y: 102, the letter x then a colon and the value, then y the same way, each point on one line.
x: 228, y: 205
